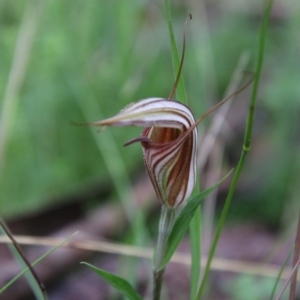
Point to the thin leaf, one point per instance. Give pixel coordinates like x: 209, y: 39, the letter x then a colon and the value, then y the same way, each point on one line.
x: 183, y: 220
x: 117, y: 282
x: 39, y: 293
x: 35, y: 263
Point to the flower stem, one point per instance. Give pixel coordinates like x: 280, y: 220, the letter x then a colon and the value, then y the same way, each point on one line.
x: 157, y: 283
x: 166, y: 222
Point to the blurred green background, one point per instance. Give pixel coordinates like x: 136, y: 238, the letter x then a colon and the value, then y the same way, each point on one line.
x: 81, y: 61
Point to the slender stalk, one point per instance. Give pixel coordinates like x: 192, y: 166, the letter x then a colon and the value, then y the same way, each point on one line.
x: 246, y: 145
x: 24, y: 258
x: 166, y: 222
x: 157, y: 283
x: 61, y: 243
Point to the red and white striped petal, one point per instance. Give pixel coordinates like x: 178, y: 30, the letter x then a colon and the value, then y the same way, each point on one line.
x: 169, y: 143
x: 156, y: 112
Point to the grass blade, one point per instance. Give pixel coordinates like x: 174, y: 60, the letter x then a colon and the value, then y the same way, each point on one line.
x: 35, y: 263
x: 183, y: 220
x: 32, y: 278
x: 117, y: 282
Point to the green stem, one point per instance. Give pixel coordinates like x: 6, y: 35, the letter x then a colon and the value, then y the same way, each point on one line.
x: 246, y: 145
x: 166, y: 222
x: 157, y: 283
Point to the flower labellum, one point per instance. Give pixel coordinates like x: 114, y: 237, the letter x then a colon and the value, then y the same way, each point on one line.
x: 169, y: 143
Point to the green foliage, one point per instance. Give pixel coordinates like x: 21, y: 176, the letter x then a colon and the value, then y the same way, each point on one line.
x: 7, y: 285
x: 182, y: 222
x: 117, y: 282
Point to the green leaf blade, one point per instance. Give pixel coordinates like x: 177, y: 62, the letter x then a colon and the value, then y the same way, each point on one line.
x: 120, y: 284
x: 183, y: 220
x: 7, y: 285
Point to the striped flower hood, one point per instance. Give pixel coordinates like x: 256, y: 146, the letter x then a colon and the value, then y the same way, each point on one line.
x: 169, y: 141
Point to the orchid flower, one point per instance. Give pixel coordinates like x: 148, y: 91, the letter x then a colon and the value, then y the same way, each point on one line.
x: 169, y: 143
